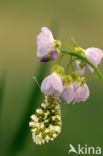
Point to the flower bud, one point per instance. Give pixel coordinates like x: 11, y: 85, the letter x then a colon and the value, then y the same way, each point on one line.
x: 44, y: 59
x: 79, y: 50
x: 58, y: 69
x: 54, y: 55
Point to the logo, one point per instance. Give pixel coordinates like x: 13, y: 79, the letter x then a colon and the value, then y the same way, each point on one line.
x: 85, y: 150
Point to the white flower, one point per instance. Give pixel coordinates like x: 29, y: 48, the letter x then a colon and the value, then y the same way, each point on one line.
x: 52, y: 84
x: 45, y: 42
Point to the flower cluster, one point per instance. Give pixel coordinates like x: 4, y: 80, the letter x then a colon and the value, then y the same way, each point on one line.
x: 70, y: 89
x: 48, y: 48
x: 65, y: 84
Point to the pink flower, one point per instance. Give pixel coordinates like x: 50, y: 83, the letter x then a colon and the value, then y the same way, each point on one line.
x: 80, y: 68
x: 68, y: 94
x: 81, y: 92
x: 45, y: 42
x: 94, y: 55
x: 52, y: 84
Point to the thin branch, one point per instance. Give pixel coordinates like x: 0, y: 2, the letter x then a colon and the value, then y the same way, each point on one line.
x: 85, y: 59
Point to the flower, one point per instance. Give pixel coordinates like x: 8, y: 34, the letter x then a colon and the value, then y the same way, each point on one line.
x: 68, y: 94
x: 81, y: 92
x: 52, y: 84
x: 94, y: 55
x: 80, y: 68
x: 45, y: 42
x: 46, y: 122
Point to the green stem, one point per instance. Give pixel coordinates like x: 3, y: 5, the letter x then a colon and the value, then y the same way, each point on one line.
x: 85, y: 59
x: 72, y: 64
x: 68, y: 65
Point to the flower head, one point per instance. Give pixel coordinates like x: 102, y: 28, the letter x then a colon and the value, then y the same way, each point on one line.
x: 45, y: 42
x: 94, y: 55
x: 59, y: 85
x: 81, y: 92
x: 46, y: 122
x: 52, y: 85
x: 68, y: 93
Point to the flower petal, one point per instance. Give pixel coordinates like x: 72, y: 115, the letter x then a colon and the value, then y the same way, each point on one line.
x: 52, y: 84
x: 79, y: 69
x: 81, y: 93
x: 68, y: 94
x: 45, y: 42
x: 95, y: 55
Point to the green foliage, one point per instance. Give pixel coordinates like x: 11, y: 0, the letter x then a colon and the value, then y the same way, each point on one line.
x: 33, y: 103
x: 2, y: 88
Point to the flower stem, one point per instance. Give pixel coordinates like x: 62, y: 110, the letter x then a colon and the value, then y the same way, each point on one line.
x: 70, y: 63
x: 85, y: 59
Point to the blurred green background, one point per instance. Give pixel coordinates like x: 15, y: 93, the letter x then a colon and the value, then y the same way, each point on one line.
x: 20, y: 22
